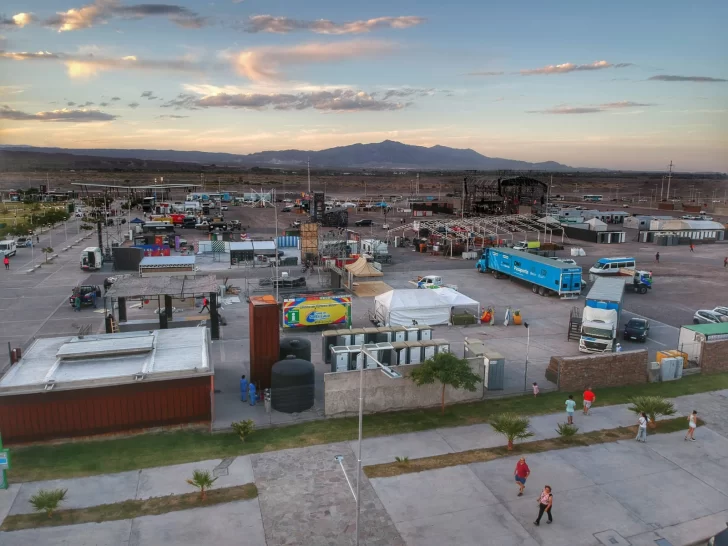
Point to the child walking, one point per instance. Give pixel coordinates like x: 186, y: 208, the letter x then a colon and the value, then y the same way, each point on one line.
x: 692, y: 425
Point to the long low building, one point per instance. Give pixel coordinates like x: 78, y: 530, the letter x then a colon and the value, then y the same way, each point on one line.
x: 80, y: 386
x: 705, y: 230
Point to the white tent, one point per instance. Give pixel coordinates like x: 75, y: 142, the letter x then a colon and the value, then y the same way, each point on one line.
x: 426, y: 306
x: 595, y: 224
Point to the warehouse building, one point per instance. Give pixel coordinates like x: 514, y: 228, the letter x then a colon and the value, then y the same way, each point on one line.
x: 685, y: 230
x: 97, y: 384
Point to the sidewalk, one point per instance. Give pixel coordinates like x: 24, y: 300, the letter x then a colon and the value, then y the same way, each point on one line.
x: 623, y: 491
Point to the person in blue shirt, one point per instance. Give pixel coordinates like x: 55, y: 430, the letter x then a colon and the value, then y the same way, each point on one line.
x: 570, y: 406
x: 251, y: 394
x: 243, y: 389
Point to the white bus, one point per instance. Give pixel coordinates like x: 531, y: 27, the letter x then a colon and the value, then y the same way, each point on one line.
x: 591, y: 198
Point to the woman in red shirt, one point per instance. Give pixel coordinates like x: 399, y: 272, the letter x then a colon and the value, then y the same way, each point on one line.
x: 521, y: 473
x: 589, y: 398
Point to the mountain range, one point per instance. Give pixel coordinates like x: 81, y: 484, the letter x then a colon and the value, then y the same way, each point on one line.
x: 382, y: 155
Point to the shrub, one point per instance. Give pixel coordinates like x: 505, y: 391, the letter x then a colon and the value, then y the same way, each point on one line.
x: 402, y: 459
x: 47, y: 500
x: 243, y: 428
x: 566, y: 430
x: 653, y: 406
x: 203, y: 480
x: 512, y: 426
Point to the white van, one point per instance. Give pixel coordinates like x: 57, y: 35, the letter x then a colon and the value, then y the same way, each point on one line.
x: 611, y: 266
x: 8, y: 248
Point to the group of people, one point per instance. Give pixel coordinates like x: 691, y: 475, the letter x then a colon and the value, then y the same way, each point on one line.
x: 545, y: 499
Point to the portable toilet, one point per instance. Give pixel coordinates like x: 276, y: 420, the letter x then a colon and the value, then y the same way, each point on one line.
x: 441, y: 345
x: 373, y: 350
x: 399, y: 352
x: 495, y: 366
x: 343, y: 338
x: 399, y: 333
x: 413, y: 333
x: 429, y: 349
x: 328, y: 340
x: 357, y: 336
x: 414, y: 352
x: 386, y: 355
x: 668, y: 368
x: 425, y: 332
x: 340, y: 358
x: 370, y: 334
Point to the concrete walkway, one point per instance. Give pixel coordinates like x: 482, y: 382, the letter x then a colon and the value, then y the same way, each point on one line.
x: 624, y: 491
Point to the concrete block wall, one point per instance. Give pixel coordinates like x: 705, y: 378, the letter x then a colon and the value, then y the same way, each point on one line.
x: 715, y: 357
x: 341, y: 392
x: 574, y: 373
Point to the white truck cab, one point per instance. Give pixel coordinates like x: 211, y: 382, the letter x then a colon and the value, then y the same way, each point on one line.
x: 8, y: 248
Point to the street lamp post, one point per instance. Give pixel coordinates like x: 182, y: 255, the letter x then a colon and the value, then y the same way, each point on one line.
x: 528, y: 346
x: 389, y: 372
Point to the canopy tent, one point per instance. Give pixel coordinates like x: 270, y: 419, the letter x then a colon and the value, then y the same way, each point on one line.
x: 362, y: 268
x: 431, y: 307
x: 595, y: 224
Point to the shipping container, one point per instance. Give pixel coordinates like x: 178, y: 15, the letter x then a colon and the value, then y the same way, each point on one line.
x: 264, y: 339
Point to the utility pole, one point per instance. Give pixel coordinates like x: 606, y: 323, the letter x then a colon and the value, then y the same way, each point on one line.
x: 417, y: 188
x: 662, y: 185
x: 669, y: 178
x: 308, y: 168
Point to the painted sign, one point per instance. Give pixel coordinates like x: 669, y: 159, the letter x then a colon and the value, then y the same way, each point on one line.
x: 317, y: 311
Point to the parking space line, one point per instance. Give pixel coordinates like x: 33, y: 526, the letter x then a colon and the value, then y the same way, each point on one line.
x: 655, y: 341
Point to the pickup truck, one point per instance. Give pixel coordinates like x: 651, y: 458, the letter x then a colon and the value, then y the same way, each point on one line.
x: 431, y: 281
x: 636, y: 280
x: 88, y: 293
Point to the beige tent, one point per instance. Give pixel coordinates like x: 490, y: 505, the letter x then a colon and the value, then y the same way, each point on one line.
x: 362, y: 268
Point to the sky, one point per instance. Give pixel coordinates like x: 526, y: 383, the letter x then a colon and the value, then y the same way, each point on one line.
x: 621, y: 85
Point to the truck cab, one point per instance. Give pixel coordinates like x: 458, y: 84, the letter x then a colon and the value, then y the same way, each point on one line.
x: 91, y: 259
x: 8, y: 248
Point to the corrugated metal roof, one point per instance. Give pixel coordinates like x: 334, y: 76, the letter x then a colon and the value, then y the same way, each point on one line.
x: 177, y: 352
x: 253, y: 245
x: 152, y: 261
x: 703, y: 224
x: 708, y: 329
x: 127, y: 286
x: 605, y: 289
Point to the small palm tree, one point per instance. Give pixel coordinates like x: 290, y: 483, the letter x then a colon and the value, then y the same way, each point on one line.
x: 203, y: 480
x: 243, y: 428
x: 512, y: 426
x: 653, y: 406
x: 565, y: 430
x: 47, y: 500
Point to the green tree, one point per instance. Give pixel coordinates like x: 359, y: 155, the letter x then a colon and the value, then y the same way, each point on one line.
x: 203, y: 480
x: 447, y: 369
x: 653, y: 406
x: 512, y: 426
x: 47, y: 500
x: 47, y: 250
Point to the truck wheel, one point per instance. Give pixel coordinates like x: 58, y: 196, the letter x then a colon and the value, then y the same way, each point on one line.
x: 480, y: 270
x: 534, y: 289
x: 496, y: 275
x: 643, y: 290
x: 541, y: 291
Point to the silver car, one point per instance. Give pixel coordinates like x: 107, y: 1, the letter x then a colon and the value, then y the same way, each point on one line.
x: 704, y: 316
x: 721, y: 311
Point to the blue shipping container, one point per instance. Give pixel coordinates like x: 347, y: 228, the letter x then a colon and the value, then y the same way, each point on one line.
x: 288, y: 241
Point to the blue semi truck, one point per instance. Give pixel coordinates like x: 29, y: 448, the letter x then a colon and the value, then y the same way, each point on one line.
x: 546, y: 276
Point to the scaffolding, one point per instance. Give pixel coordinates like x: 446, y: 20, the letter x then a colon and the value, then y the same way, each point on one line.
x: 484, y: 194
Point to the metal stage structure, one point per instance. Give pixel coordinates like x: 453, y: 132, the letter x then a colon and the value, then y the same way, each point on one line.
x: 483, y: 194
x: 513, y: 228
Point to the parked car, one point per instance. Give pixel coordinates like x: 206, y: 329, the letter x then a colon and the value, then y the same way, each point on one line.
x: 637, y: 329
x: 24, y: 242
x: 704, y: 316
x: 87, y: 293
x: 721, y: 311
x: 626, y: 206
x: 364, y: 222
x: 286, y: 209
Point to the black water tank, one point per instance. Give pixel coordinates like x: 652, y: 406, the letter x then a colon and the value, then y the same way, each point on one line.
x: 292, y: 385
x: 296, y: 346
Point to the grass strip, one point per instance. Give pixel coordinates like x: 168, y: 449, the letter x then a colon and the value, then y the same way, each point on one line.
x: 99, y: 456
x: 130, y: 509
x: 387, y: 470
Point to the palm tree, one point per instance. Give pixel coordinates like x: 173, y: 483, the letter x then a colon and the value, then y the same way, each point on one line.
x: 47, y: 500
x: 512, y: 426
x: 203, y: 480
x: 653, y: 406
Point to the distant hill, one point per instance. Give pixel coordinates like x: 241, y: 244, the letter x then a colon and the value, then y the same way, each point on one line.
x: 383, y: 155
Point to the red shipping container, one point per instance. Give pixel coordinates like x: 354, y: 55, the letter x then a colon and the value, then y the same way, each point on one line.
x: 264, y: 339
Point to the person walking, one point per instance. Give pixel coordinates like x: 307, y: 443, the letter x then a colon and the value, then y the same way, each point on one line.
x: 570, y: 406
x: 589, y: 398
x: 692, y: 248
x: 657, y: 257
x: 545, y: 502
x: 725, y: 261
x: 642, y: 428
x: 77, y: 302
x: 619, y: 347
x: 37, y: 238
x: 205, y: 305
x: 521, y: 473
x: 6, y: 261
x: 535, y: 389
x: 692, y: 425
x: 243, y: 389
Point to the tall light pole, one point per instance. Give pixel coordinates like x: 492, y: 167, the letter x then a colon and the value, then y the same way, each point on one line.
x: 662, y: 186
x: 528, y: 346
x: 389, y: 372
x: 669, y: 179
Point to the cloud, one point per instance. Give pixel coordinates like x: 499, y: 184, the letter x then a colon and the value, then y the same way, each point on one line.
x: 412, y: 92
x: 571, y: 67
x: 81, y: 66
x: 700, y: 79
x: 171, y: 116
x: 485, y: 73
x: 103, y: 104
x: 17, y: 21
x: 265, y: 63
x: 85, y: 104
x: 284, y: 25
x: 133, y: 105
x: 149, y: 95
x: 115, y: 98
x: 339, y: 100
x: 102, y: 11
x: 64, y: 115
x: 70, y: 104
x: 563, y: 109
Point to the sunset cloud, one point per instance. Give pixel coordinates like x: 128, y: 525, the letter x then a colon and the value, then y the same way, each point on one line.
x: 16, y: 21
x: 563, y: 109
x: 571, y: 67
x: 102, y: 11
x: 64, y: 115
x: 284, y: 25
x: 699, y: 79
x: 266, y: 63
x: 85, y: 66
x: 339, y: 100
x: 485, y: 73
